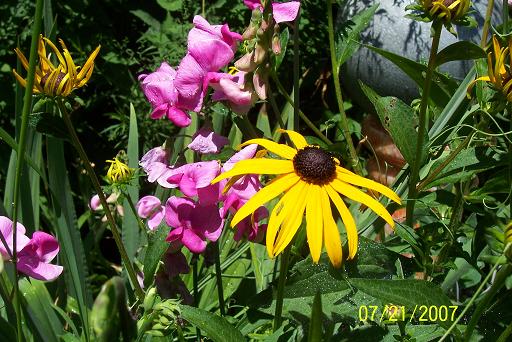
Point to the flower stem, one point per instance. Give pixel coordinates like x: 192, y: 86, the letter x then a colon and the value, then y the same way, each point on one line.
x: 196, y: 290
x: 476, y: 294
x: 437, y: 27
x: 283, y: 270
x: 487, y: 23
x: 218, y: 276
x: 303, y: 116
x: 20, y: 160
x: 296, y: 72
x: 498, y: 283
x: 354, y: 160
x: 96, y: 184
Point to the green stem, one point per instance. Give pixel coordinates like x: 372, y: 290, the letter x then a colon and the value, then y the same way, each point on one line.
x: 504, y: 14
x: 296, y: 73
x: 475, y: 295
x: 437, y: 27
x: 97, y: 187
x: 20, y: 160
x: 218, y: 277
x: 134, y: 211
x: 283, y: 270
x: 487, y: 23
x: 303, y: 116
x: 505, y: 334
x: 354, y: 160
x: 498, y: 283
x: 433, y: 174
x: 276, y: 110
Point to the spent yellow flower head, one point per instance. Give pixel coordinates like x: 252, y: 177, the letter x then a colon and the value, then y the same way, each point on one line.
x: 499, y: 73
x: 446, y: 10
x: 118, y: 172
x: 56, y: 79
x: 310, y: 179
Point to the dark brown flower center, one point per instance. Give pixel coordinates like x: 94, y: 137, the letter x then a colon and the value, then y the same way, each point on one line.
x: 44, y: 79
x: 314, y: 165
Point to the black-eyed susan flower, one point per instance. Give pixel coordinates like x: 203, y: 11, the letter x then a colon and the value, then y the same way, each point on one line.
x: 118, y: 172
x: 309, y: 179
x: 57, y: 79
x: 498, y: 69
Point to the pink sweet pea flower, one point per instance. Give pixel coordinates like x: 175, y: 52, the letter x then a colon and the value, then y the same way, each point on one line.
x: 194, y: 180
x: 159, y: 88
x: 239, y: 193
x: 233, y: 90
x: 282, y: 11
x: 151, y: 208
x: 95, y: 203
x: 34, y: 259
x: 193, y: 223
x: 154, y: 163
x: 210, y: 47
x: 207, y: 141
x: 7, y: 233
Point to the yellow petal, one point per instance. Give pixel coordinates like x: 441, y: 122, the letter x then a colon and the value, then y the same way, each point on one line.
x: 281, y: 150
x: 367, y: 183
x: 332, y: 239
x: 314, y: 221
x: 61, y: 59
x: 62, y: 85
x: 292, y: 222
x: 264, y: 195
x: 297, y: 139
x: 22, y: 58
x: 70, y: 64
x: 359, y: 196
x: 261, y: 166
x: 20, y: 79
x: 348, y: 221
x: 86, y: 70
x: 279, y: 213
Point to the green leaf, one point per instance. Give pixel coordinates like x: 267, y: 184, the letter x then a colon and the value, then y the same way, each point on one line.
x: 315, y: 321
x: 466, y: 164
x: 215, y: 327
x: 147, y: 19
x: 131, y: 231
x: 156, y: 248
x: 39, y: 309
x: 410, y: 293
x: 170, y: 5
x: 7, y: 332
x: 460, y: 50
x: 400, y: 121
x: 348, y: 42
x: 72, y: 252
x: 442, y: 86
x: 48, y: 124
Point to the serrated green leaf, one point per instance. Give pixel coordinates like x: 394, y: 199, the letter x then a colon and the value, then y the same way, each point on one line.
x: 466, y: 164
x: 460, y: 50
x: 348, y: 42
x: 170, y: 5
x: 442, y: 86
x: 400, y: 121
x: 410, y: 293
x: 215, y: 327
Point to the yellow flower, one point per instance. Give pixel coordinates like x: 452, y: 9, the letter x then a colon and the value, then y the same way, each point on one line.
x: 498, y: 69
x: 58, y: 80
x: 310, y: 179
x: 118, y: 172
x: 447, y: 10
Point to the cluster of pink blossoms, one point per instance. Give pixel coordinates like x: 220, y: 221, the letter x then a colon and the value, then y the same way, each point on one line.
x: 196, y: 217
x: 34, y: 255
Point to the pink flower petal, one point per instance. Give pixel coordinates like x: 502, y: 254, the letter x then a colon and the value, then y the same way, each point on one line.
x: 246, y: 153
x: 285, y: 11
x: 94, y: 203
x: 39, y: 271
x: 7, y: 232
x: 178, y: 117
x: 207, y: 141
x: 193, y: 242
